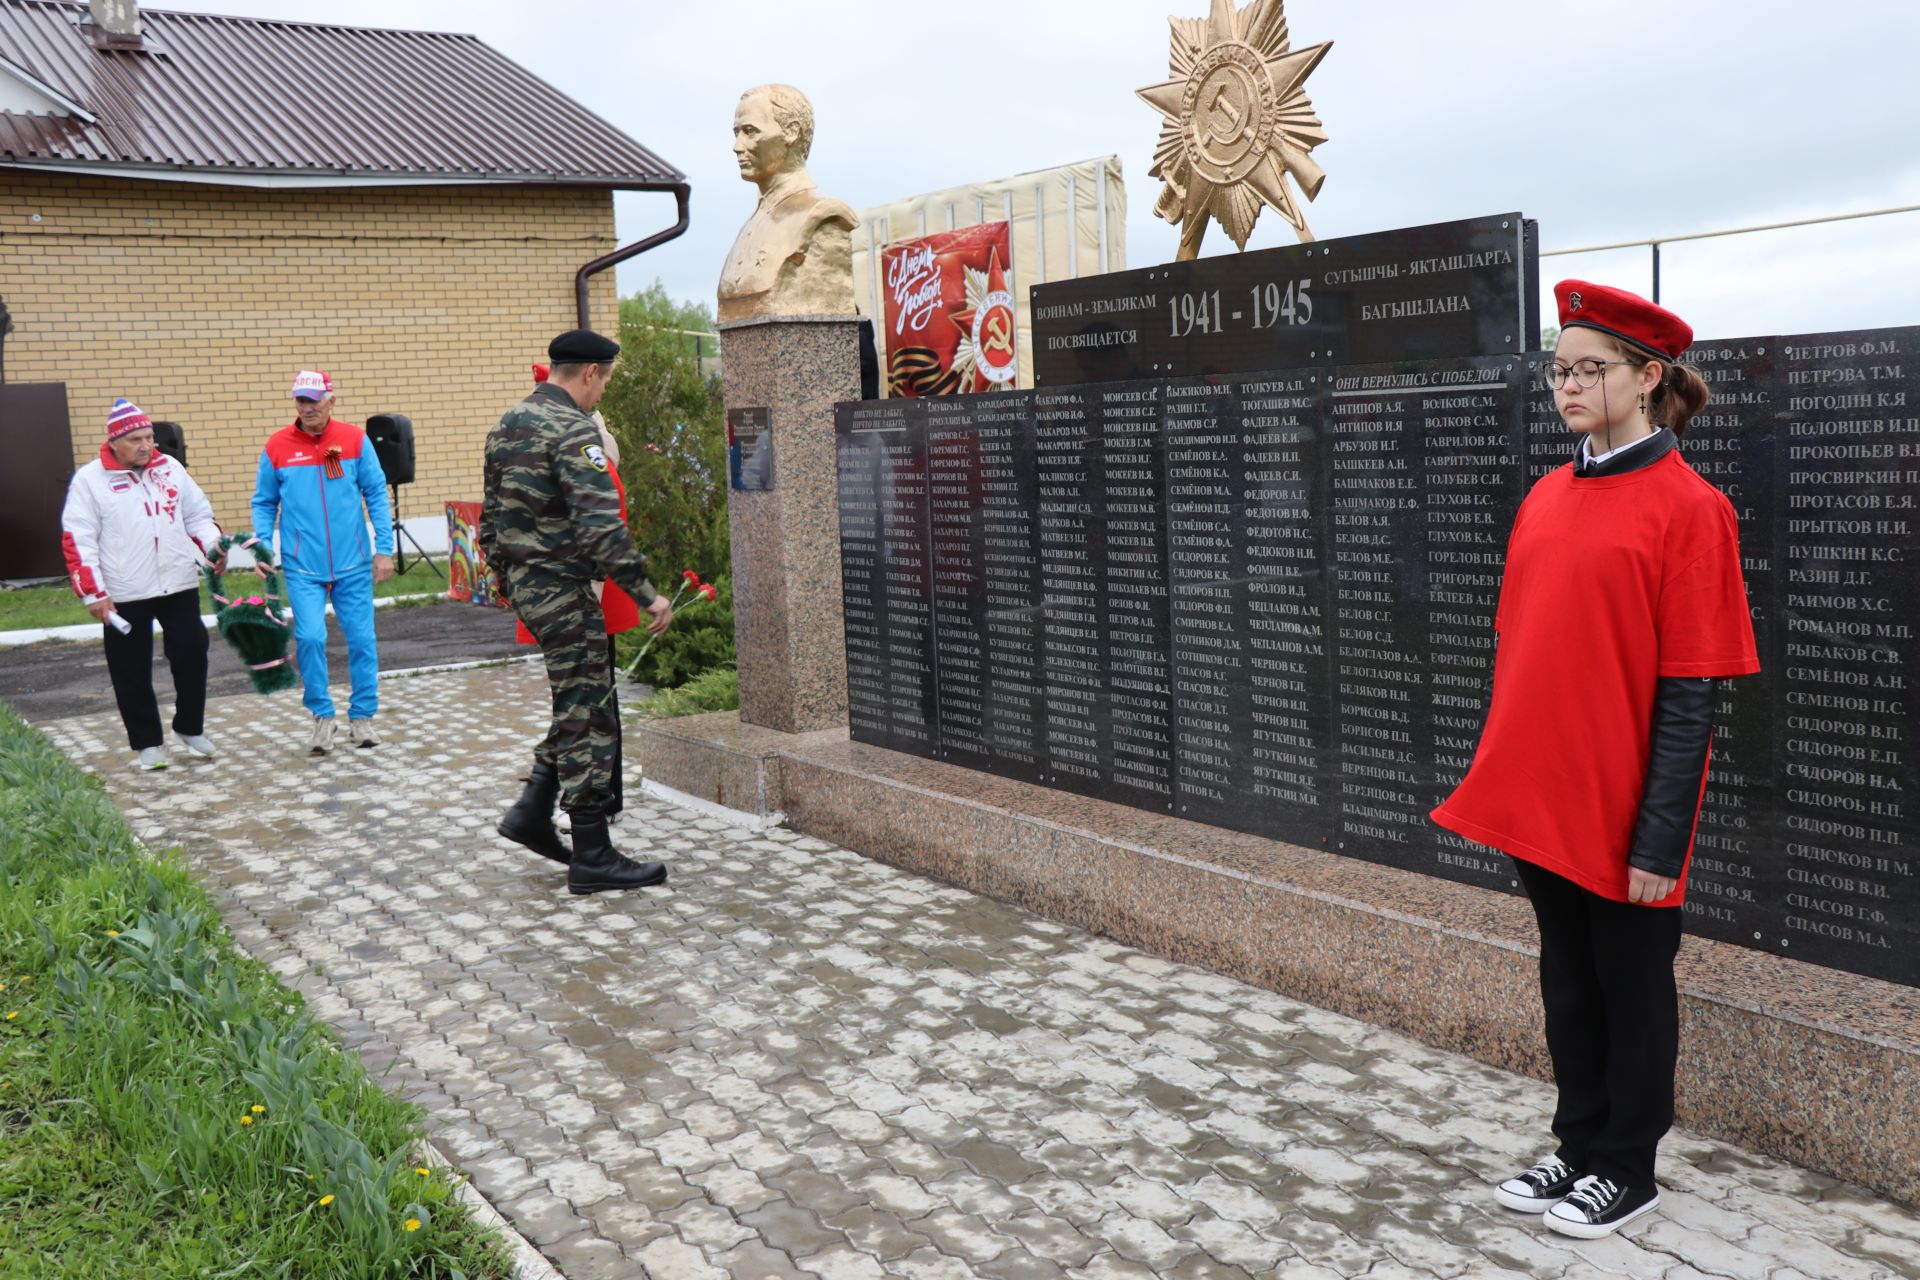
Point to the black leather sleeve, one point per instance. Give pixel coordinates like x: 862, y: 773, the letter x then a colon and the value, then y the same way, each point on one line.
x: 1682, y: 731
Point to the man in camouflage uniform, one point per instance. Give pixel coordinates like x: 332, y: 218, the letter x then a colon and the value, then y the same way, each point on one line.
x: 550, y: 526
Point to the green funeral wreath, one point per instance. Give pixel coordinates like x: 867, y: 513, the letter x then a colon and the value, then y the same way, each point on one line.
x: 257, y: 625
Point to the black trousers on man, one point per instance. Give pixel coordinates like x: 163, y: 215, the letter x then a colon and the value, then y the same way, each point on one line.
x: 1613, y: 1023
x: 130, y: 665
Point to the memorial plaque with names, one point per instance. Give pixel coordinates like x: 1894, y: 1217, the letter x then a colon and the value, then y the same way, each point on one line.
x: 1845, y: 657
x: 1472, y: 443
x: 1289, y: 785
x: 886, y: 442
x: 954, y: 501
x: 1450, y: 289
x: 1734, y: 884
x: 1135, y: 608
x: 1206, y: 573
x: 860, y: 430
x: 1009, y: 567
x: 1425, y: 478
x: 1066, y: 441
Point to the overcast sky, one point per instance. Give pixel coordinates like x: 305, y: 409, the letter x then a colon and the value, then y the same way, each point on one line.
x: 1610, y: 122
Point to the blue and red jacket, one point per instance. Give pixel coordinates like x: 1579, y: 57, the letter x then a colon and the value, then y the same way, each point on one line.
x: 315, y: 487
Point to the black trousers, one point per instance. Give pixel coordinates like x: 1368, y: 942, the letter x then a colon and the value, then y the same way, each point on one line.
x: 616, y: 797
x: 1613, y: 1023
x: 130, y: 665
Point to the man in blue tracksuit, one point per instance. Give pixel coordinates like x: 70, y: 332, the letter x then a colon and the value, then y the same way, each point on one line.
x: 316, y: 476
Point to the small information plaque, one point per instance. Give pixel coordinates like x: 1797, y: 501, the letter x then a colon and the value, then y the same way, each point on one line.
x: 750, y: 447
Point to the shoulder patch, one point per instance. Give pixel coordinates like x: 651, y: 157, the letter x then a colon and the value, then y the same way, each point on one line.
x: 595, y: 455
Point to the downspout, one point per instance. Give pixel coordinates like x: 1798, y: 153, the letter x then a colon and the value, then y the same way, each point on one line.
x: 680, y: 193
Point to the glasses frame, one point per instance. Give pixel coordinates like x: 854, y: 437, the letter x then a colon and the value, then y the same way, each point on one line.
x: 1555, y: 374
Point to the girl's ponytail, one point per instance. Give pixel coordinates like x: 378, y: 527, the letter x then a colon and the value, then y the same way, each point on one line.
x: 1681, y: 394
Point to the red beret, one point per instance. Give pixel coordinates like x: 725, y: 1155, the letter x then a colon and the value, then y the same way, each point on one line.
x: 1651, y: 328
x: 541, y: 372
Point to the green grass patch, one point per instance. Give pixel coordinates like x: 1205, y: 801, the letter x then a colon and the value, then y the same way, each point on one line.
x: 57, y: 606
x: 167, y: 1109
x: 715, y: 690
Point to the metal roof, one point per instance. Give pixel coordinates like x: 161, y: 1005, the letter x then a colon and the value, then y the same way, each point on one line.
x: 262, y: 101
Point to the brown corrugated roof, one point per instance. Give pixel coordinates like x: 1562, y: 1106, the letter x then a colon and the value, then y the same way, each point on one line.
x: 253, y: 97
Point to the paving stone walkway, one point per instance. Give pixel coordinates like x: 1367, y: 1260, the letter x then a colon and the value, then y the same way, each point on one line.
x: 797, y: 1062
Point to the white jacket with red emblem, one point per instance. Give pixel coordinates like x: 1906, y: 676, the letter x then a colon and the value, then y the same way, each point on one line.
x: 135, y: 534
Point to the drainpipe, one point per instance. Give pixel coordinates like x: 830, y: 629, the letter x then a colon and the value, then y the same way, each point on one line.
x: 680, y: 193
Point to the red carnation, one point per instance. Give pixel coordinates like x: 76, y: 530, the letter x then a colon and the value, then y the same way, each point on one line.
x: 693, y: 579
x: 706, y: 589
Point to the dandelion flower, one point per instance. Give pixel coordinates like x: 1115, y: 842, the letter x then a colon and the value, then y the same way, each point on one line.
x: 13, y: 1015
x: 326, y: 1200
x: 412, y: 1224
x: 113, y: 933
x: 422, y: 1170
x: 257, y: 1108
x: 246, y: 1119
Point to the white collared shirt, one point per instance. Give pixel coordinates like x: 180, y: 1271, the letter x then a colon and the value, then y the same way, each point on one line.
x: 1591, y: 459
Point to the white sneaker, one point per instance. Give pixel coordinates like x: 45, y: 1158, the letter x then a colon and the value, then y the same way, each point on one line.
x: 322, y: 740
x: 151, y: 758
x: 198, y: 743
x: 360, y: 733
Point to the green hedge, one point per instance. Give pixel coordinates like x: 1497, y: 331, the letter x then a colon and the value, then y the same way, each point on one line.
x: 168, y: 1109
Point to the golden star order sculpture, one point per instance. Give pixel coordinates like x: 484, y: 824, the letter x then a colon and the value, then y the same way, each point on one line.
x: 1237, y: 123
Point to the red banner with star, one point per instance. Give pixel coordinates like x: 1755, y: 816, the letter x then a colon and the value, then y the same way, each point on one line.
x: 949, y: 323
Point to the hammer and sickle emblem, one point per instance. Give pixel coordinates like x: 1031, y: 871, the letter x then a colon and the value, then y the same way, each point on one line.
x: 999, y: 338
x: 1236, y: 126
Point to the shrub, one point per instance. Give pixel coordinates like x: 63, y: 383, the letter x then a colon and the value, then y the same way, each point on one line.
x: 700, y: 639
x: 715, y: 690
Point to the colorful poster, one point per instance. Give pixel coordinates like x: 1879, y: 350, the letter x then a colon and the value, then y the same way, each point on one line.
x: 468, y: 577
x: 950, y: 316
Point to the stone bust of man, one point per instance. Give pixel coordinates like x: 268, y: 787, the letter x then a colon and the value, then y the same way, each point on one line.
x: 794, y: 256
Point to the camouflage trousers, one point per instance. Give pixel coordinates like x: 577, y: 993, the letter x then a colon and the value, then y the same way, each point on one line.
x: 566, y: 620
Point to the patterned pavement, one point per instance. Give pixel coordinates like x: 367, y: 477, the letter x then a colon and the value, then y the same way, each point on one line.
x: 794, y: 1061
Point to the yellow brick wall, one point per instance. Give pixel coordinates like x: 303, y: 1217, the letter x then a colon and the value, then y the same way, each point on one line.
x: 199, y: 304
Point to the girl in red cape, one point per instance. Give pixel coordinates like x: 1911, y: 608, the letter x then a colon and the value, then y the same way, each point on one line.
x: 622, y: 610
x: 1621, y: 604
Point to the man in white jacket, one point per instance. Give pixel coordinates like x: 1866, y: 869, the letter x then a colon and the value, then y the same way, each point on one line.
x: 135, y: 530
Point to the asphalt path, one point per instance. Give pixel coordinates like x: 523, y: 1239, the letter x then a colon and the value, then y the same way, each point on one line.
x: 69, y: 678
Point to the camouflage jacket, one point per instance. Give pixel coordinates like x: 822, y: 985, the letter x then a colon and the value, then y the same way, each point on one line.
x: 549, y: 509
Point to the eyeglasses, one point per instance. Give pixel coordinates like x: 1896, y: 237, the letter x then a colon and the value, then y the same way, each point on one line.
x: 1585, y: 373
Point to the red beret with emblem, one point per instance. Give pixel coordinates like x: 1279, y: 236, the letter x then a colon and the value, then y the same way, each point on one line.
x: 1645, y: 326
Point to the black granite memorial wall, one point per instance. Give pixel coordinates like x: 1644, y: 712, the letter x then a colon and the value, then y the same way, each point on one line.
x: 1264, y: 601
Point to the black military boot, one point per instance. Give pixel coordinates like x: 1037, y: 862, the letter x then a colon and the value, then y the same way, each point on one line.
x: 530, y: 821
x: 597, y: 866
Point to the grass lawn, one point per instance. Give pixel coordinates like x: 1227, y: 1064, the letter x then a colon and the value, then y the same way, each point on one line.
x: 167, y: 1109
x: 57, y: 606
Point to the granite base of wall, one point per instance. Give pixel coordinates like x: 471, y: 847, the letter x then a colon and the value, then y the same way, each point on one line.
x: 1813, y: 1065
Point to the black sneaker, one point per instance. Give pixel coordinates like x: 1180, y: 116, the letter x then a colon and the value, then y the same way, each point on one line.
x: 1600, y: 1206
x: 1540, y: 1188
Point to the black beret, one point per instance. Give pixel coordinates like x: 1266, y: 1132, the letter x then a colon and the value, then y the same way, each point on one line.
x: 582, y: 346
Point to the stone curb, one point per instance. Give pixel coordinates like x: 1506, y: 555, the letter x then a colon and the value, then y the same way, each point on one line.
x: 91, y: 630
x: 528, y: 1262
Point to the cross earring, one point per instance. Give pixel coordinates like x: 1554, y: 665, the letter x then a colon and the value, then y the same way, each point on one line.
x: 1643, y: 403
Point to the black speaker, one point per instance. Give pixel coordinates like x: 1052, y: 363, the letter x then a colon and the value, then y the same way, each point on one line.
x: 169, y: 439
x: 392, y: 436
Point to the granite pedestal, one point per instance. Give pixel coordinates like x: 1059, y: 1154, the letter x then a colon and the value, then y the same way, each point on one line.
x: 1815, y: 1065
x: 786, y: 539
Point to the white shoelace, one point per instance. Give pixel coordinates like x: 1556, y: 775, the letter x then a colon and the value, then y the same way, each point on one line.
x: 1592, y: 1194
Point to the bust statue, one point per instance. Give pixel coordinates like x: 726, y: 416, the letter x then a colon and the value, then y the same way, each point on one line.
x: 794, y: 256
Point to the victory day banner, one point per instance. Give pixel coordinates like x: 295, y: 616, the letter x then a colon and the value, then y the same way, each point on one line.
x: 949, y: 324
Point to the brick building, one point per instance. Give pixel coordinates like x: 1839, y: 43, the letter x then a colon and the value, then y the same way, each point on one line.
x: 181, y: 226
